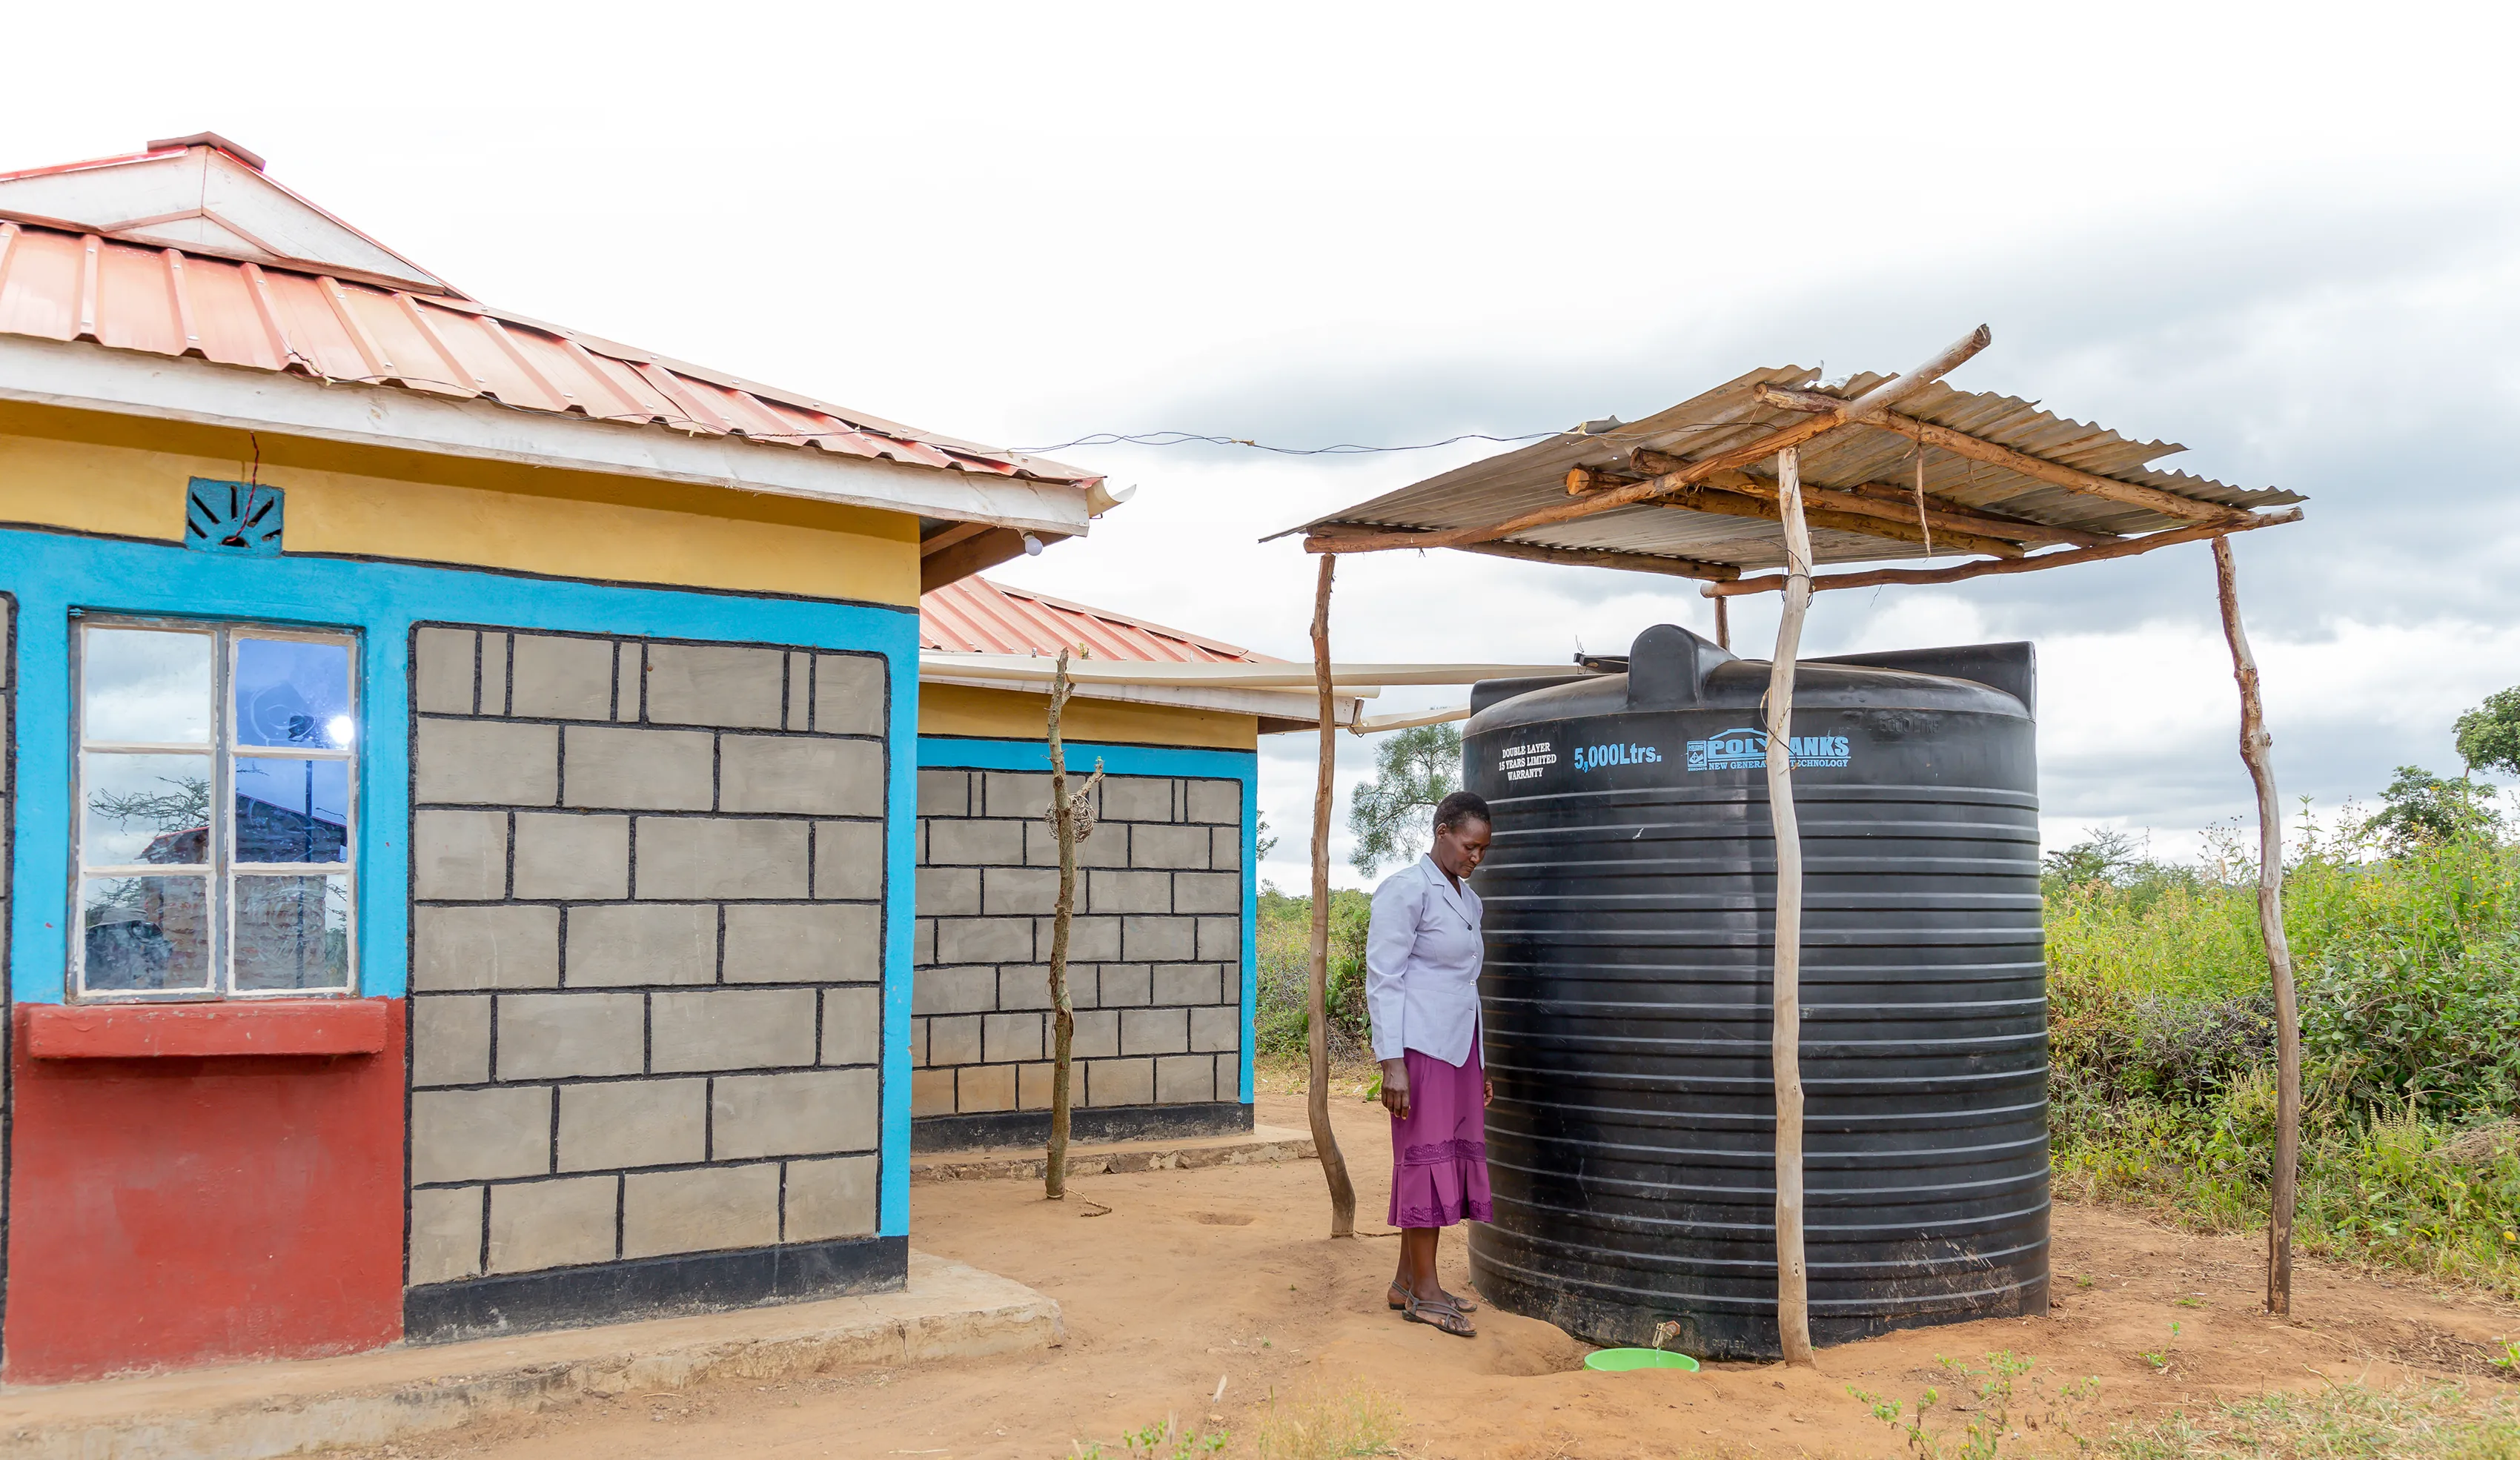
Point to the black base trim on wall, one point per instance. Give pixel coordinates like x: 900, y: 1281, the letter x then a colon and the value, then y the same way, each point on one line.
x: 1085, y: 1125
x: 653, y: 1287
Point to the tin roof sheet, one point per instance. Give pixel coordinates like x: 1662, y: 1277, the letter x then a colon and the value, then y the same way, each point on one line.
x: 977, y: 616
x: 125, y: 288
x: 1511, y: 483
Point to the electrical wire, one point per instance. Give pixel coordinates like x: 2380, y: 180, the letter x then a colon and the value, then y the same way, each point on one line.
x: 1619, y: 432
x: 1343, y: 449
x: 675, y: 421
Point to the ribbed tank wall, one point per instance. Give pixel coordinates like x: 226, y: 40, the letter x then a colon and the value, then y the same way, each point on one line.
x: 1629, y: 911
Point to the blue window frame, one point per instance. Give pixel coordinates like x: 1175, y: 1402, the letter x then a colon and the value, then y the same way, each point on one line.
x: 214, y: 834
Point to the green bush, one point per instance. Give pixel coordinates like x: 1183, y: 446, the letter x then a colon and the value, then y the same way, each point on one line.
x: 1285, y: 940
x: 2161, y: 1041
x: 2440, y: 1033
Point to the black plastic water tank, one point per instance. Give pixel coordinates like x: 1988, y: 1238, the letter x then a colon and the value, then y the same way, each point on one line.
x: 1629, y: 908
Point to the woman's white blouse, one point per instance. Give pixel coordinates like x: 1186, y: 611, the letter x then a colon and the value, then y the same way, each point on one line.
x: 1421, y: 965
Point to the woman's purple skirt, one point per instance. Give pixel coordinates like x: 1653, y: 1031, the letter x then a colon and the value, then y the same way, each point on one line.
x: 1439, y: 1154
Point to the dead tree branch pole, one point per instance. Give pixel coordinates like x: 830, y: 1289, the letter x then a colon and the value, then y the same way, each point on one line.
x: 1063, y: 819
x: 1317, y: 1103
x: 2254, y: 742
x: 1793, y: 1282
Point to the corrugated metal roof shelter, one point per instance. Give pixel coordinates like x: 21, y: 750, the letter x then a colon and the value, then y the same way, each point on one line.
x: 1692, y: 491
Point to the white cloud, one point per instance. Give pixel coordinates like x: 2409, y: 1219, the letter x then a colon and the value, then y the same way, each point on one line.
x: 2290, y: 246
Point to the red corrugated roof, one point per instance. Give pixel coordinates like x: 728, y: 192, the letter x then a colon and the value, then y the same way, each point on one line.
x: 58, y: 281
x: 977, y: 616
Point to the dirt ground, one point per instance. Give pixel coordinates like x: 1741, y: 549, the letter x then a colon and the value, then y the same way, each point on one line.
x: 1194, y: 1278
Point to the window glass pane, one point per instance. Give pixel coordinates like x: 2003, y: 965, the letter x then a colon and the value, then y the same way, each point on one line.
x: 292, y: 933
x: 145, y: 684
x: 146, y: 933
x: 144, y: 808
x: 290, y: 809
x: 289, y: 692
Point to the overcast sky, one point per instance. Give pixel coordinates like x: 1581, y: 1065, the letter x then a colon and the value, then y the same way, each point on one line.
x: 2288, y: 237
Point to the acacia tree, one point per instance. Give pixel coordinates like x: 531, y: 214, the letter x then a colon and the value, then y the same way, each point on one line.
x: 2422, y: 809
x: 1413, y: 771
x: 2489, y: 735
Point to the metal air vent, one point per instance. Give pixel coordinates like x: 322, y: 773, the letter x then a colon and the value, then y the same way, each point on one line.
x: 232, y: 516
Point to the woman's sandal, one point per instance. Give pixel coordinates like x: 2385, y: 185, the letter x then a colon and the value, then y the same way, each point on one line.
x: 1398, y: 1297
x: 1443, y: 1317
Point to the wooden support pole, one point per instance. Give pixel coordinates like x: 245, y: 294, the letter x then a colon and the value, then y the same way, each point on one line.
x: 1317, y: 1104
x: 2254, y: 741
x: 1724, y: 623
x: 2123, y: 547
x: 1793, y: 1283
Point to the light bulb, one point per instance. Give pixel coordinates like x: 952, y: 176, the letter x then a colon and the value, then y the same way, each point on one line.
x: 340, y: 729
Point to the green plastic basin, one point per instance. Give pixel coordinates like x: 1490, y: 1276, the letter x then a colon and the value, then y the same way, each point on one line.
x: 1621, y: 1360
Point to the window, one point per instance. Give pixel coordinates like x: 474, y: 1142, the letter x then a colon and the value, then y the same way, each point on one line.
x: 218, y: 781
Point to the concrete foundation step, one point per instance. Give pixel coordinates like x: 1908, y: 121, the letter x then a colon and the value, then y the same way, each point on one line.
x: 1261, y: 1143
x: 948, y: 1310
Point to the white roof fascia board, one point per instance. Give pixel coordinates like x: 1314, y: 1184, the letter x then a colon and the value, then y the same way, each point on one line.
x: 1276, y: 704
x: 1039, y: 669
x: 1373, y: 724
x: 90, y: 377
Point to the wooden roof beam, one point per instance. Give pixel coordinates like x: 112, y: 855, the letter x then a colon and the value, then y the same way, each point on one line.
x: 1894, y: 505
x: 1979, y: 449
x: 946, y: 537
x: 1593, y: 558
x: 2122, y: 548
x: 977, y: 553
x: 1582, y: 557
x: 1871, y: 403
x: 1959, y: 514
x: 1724, y: 503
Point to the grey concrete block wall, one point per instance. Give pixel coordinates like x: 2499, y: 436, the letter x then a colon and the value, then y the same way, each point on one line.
x: 1155, y: 950
x: 646, y: 948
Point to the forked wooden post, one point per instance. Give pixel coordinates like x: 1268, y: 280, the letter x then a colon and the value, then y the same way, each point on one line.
x: 1317, y: 1103
x: 2254, y: 741
x: 1793, y: 1283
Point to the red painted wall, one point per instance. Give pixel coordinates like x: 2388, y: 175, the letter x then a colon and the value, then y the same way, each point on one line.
x: 171, y: 1211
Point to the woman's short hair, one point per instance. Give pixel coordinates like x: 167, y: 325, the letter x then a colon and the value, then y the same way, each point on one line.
x: 1459, y: 806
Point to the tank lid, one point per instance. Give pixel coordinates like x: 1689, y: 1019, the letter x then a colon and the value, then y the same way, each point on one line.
x: 1670, y: 668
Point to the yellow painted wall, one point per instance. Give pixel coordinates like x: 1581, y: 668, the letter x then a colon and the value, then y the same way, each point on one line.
x: 1008, y: 714
x: 91, y: 472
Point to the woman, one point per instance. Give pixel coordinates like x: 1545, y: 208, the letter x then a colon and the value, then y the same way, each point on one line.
x: 1421, y: 994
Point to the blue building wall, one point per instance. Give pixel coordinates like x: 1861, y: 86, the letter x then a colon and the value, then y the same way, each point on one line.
x: 56, y: 576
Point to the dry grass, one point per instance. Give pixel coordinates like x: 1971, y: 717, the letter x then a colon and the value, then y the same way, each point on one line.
x: 1289, y: 1075
x: 2344, y: 1422
x: 1341, y: 1426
